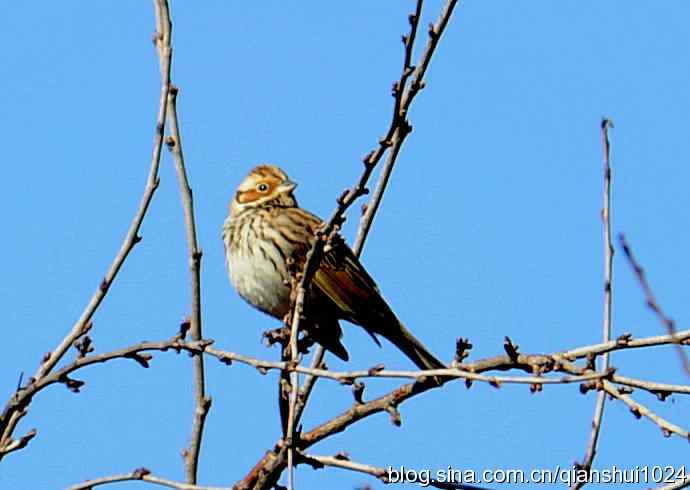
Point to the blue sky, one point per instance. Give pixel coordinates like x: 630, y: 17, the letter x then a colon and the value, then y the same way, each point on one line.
x: 490, y: 226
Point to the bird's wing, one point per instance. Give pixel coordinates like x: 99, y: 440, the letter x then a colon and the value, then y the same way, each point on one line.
x: 343, y: 279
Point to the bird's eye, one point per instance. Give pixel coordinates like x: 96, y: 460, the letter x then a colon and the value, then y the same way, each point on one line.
x: 262, y: 187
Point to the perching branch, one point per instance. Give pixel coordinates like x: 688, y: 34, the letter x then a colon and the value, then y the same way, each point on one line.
x: 398, y: 130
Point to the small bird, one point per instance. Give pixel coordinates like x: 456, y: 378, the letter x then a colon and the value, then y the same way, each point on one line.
x: 266, y: 228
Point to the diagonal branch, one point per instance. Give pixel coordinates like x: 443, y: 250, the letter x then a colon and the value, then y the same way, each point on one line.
x: 9, y: 421
x: 404, y: 94
x: 667, y: 322
x: 640, y: 410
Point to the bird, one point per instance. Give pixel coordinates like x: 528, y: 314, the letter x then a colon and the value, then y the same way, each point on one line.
x: 266, y: 234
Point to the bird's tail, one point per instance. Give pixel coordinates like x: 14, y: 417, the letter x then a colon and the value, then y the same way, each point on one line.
x: 403, y: 339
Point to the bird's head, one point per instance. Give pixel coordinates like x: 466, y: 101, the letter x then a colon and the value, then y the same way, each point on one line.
x: 265, y: 183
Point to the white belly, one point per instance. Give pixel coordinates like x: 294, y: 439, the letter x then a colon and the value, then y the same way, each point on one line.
x: 258, y: 280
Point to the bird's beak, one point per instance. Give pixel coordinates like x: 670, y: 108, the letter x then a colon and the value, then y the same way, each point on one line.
x: 287, y: 186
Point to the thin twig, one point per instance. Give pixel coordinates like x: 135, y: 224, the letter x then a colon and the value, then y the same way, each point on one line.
x: 661, y: 390
x: 202, y: 402
x: 608, y: 298
x: 530, y: 363
x: 344, y: 462
x: 141, y: 474
x: 650, y: 299
x: 309, y: 382
x: 400, y: 129
x: 640, y: 410
x: 9, y: 421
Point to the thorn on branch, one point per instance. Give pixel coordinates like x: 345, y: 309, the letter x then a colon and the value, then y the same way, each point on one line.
x: 385, y: 142
x: 665, y: 432
x: 412, y: 19
x: 276, y: 336
x: 74, y: 385
x: 141, y: 358
x: 206, y: 406
x: 417, y: 85
x: 104, y: 285
x: 396, y: 420
x: 314, y: 463
x: 358, y: 392
x: 536, y: 388
x: 468, y: 383
x: 625, y: 390
x: 511, y: 349
x: 624, y: 339
x: 495, y: 383
x: 405, y: 127
x: 341, y: 199
x: 140, y: 473
x: 588, y: 386
x: 83, y: 346
x: 85, y: 328
x: 342, y: 456
x: 433, y: 34
x: 14, y: 445
x: 462, y: 349
x: 662, y: 395
x: 636, y: 412
x: 376, y: 369
x: 46, y: 357
x: 137, y: 239
x: 185, y: 325
x: 367, y: 160
x: 405, y: 38
x: 170, y: 142
x: 225, y: 360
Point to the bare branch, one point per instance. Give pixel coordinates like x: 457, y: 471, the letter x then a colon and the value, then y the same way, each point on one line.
x: 9, y: 421
x: 344, y: 462
x: 202, y: 402
x: 608, y: 298
x: 141, y: 474
x: 640, y: 410
x: 404, y: 94
x: 667, y: 322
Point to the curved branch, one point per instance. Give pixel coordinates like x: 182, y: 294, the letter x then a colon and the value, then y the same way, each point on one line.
x: 9, y: 420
